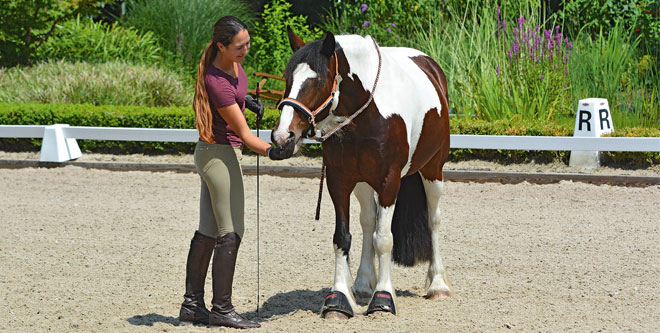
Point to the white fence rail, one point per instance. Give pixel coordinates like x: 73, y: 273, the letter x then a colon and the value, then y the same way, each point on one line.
x: 59, y: 140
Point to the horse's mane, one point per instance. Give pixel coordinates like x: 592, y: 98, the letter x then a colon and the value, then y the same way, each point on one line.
x: 310, y: 54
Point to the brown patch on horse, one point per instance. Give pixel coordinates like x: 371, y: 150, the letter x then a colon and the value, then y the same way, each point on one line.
x: 432, y: 150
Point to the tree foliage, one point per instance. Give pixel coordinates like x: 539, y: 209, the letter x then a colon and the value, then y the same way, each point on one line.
x: 27, y: 24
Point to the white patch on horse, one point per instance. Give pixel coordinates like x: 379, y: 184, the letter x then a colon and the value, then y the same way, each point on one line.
x: 365, y: 280
x: 436, y: 277
x: 343, y: 276
x: 383, y: 243
x: 403, y: 88
x: 301, y: 74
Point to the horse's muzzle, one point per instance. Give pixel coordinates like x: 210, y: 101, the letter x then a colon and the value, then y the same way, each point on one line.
x: 278, y: 144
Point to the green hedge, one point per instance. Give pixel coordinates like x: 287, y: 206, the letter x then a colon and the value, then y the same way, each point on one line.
x: 184, y: 117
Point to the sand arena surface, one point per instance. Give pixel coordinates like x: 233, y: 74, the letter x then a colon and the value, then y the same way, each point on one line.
x: 96, y: 250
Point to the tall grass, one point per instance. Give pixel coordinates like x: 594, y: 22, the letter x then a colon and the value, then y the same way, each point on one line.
x: 519, y: 65
x: 607, y: 67
x: 489, y: 68
x: 183, y: 27
x: 111, y: 83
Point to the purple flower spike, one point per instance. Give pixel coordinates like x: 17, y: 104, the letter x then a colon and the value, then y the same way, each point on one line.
x: 393, y: 25
x: 541, y: 77
x: 521, y: 21
x: 566, y: 85
x: 570, y: 45
x: 503, y: 25
x: 497, y: 70
x: 509, y: 53
x: 389, y: 30
x: 363, y: 8
x: 366, y: 24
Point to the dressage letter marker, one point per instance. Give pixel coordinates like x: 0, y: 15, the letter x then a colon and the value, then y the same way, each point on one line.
x: 593, y: 119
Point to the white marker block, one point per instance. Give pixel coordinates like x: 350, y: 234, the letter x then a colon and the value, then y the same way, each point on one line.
x: 55, y: 147
x: 593, y: 119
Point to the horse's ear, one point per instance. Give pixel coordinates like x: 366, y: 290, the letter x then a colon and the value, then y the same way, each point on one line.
x: 295, y: 41
x: 328, y: 48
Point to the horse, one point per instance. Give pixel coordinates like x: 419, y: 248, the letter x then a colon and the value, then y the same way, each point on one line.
x: 382, y: 116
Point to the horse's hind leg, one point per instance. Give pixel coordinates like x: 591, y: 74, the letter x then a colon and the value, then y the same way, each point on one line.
x: 365, y: 280
x: 438, y: 284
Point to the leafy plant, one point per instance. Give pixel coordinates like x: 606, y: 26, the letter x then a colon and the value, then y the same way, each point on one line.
x: 82, y: 39
x: 270, y: 50
x: 26, y: 24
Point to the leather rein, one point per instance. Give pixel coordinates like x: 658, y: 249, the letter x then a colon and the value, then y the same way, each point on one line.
x: 312, y: 114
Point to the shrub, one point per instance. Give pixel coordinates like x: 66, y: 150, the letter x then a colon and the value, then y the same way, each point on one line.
x: 82, y: 39
x: 113, y: 83
x: 270, y: 46
x: 591, y: 17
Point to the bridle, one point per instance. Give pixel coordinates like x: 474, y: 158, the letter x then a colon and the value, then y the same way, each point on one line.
x: 312, y: 114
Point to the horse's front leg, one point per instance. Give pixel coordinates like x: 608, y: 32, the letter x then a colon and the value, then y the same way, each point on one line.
x: 340, y: 303
x: 365, y: 281
x: 383, y: 297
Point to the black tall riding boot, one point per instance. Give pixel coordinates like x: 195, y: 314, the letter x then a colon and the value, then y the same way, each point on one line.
x: 224, y: 262
x: 193, y: 308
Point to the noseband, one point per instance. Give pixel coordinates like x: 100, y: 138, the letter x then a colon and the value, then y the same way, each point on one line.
x: 311, y: 115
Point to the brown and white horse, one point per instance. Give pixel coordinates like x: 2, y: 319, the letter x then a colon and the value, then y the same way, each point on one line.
x: 382, y: 116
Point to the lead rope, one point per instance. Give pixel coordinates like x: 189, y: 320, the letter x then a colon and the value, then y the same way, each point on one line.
x: 258, y: 261
x: 318, y: 203
x: 356, y: 113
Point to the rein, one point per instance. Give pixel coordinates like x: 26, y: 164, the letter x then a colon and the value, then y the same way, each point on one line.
x: 335, y: 87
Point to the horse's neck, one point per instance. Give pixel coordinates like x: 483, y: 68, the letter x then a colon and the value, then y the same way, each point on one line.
x: 362, y: 58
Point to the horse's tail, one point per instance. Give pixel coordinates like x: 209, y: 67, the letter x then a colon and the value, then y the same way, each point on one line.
x: 410, y: 226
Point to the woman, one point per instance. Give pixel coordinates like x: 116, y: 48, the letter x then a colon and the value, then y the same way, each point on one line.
x: 219, y: 105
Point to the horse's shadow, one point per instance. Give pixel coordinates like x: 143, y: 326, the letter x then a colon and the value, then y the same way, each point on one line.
x: 279, y: 304
x: 152, y: 318
x: 291, y: 301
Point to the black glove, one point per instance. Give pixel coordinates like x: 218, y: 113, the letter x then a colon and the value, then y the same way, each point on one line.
x: 255, y: 106
x: 280, y: 153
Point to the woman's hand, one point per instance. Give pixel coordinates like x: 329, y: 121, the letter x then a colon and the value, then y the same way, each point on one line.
x: 283, y: 152
x: 255, y: 106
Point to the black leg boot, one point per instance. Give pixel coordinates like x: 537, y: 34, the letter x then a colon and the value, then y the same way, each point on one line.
x: 224, y: 262
x: 193, y: 310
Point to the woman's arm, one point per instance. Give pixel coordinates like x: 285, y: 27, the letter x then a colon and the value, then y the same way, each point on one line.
x: 236, y: 120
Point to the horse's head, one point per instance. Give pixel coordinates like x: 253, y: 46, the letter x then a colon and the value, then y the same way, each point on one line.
x: 311, y: 82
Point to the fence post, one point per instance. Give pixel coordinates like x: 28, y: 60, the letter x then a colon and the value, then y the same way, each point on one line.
x: 593, y: 119
x: 56, y: 147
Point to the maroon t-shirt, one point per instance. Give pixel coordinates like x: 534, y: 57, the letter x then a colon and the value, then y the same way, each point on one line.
x: 224, y: 90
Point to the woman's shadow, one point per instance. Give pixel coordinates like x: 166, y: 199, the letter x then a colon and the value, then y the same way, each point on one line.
x: 280, y: 304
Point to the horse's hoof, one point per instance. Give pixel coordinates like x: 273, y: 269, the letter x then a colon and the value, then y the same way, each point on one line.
x: 336, y: 302
x: 438, y: 295
x: 335, y: 315
x: 381, y: 302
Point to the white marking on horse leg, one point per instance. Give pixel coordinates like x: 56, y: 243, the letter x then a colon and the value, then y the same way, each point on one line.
x: 343, y: 276
x: 383, y: 242
x: 365, y: 281
x: 436, y: 279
